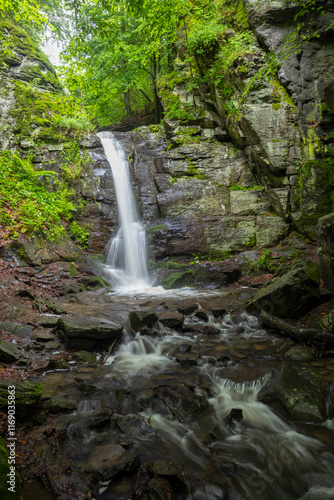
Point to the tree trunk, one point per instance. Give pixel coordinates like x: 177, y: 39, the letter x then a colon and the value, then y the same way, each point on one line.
x: 158, y: 106
x: 127, y: 103
x: 299, y: 334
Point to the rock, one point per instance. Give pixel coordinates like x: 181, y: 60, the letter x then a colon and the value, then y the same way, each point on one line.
x: 135, y: 426
x: 325, y: 229
x: 47, y: 320
x: 187, y: 309
x: 296, y: 393
x: 169, y: 471
x: 202, y: 315
x: 98, y: 296
x: 87, y: 357
x: 291, y: 293
x: 59, y: 404
x: 79, y: 332
x: 61, y: 364
x: 142, y: 319
x: 9, y: 353
x: 158, y: 489
x: 109, y: 460
x: 16, y: 329
x: 43, y: 336
x: 8, y: 476
x: 248, y: 202
x: 26, y: 395
x: 327, y: 322
x: 299, y: 353
x: 37, y: 251
x: 204, y: 275
x: 185, y: 403
x: 172, y: 319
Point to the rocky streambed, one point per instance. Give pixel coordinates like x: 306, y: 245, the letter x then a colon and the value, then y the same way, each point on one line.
x: 174, y: 394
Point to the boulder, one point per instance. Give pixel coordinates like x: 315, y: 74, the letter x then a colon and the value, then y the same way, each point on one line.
x: 325, y: 229
x: 16, y: 329
x: 291, y: 293
x: 79, y: 332
x: 109, y: 460
x: 296, y: 393
x: 26, y: 395
x: 172, y: 319
x: 142, y: 319
x: 59, y: 404
x: 9, y: 353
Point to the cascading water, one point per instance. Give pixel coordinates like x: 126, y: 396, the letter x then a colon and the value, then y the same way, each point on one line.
x: 127, y: 256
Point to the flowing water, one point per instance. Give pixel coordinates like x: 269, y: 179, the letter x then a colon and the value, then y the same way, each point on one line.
x: 166, y: 395
x: 127, y: 256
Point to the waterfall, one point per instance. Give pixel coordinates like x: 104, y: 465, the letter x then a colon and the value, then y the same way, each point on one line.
x: 127, y: 256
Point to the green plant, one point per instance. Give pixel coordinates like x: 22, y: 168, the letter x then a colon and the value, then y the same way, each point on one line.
x: 25, y: 202
x: 80, y: 234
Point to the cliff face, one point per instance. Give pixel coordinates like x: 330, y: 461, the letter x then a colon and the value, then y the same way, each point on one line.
x: 251, y: 156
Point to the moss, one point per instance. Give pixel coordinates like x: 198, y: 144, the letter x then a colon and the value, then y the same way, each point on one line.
x: 5, y: 494
x: 156, y: 228
x: 183, y: 279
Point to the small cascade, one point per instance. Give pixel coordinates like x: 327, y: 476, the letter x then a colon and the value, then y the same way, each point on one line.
x: 127, y: 256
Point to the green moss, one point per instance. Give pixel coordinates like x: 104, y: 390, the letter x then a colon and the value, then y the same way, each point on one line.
x: 5, y: 494
x: 156, y: 228
x: 182, y: 279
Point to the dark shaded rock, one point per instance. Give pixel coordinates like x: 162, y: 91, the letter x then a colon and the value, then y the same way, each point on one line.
x: 184, y: 402
x: 141, y: 319
x: 291, y: 293
x: 325, y: 230
x: 172, y: 319
x: 187, y: 309
x: 59, y: 404
x: 235, y: 415
x: 296, y: 393
x: 109, y: 460
x: 79, y: 332
x: 134, y: 426
x: 299, y: 353
x: 25, y: 292
x: 26, y: 395
x: 99, y: 421
x: 202, y: 315
x: 169, y: 471
x: 204, y: 275
x: 9, y: 353
x: 95, y: 282
x: 158, y: 489
x: 61, y: 364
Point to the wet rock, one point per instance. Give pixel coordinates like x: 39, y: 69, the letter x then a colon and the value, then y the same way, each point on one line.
x: 202, y: 315
x: 169, y: 471
x: 235, y: 415
x: 325, y: 229
x: 61, y: 364
x: 16, y: 329
x: 158, y: 489
x: 99, y: 296
x: 297, y: 393
x: 27, y: 395
x: 9, y: 353
x: 291, y: 293
x: 134, y: 426
x: 213, y: 330
x: 79, y: 332
x: 85, y: 356
x: 299, y: 353
x: 68, y: 288
x: 187, y: 309
x: 218, y: 311
x: 99, y: 421
x: 184, y: 402
x: 172, y: 319
x: 59, y: 404
x: 95, y: 282
x: 141, y: 319
x: 109, y: 460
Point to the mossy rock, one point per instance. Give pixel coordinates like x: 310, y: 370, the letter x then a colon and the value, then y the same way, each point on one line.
x: 296, y: 393
x: 5, y: 494
x: 60, y: 404
x: 292, y: 292
x: 27, y: 395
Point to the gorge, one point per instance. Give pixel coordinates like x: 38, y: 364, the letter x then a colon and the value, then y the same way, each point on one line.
x: 167, y: 273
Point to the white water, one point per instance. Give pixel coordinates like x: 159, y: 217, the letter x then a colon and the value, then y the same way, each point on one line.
x: 127, y: 257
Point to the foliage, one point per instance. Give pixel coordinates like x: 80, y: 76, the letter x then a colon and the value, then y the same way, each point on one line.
x: 74, y: 161
x: 238, y: 187
x: 26, y: 204
x: 80, y: 233
x: 267, y: 263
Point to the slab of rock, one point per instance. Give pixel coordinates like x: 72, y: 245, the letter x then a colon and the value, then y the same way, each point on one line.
x: 80, y: 332
x: 142, y: 319
x: 109, y: 460
x: 47, y: 320
x: 9, y: 353
x: 172, y: 319
x: 297, y: 393
x: 26, y: 395
x: 16, y: 329
x: 291, y: 293
x: 60, y: 404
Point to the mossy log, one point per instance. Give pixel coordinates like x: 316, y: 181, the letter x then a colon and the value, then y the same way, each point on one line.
x: 296, y: 333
